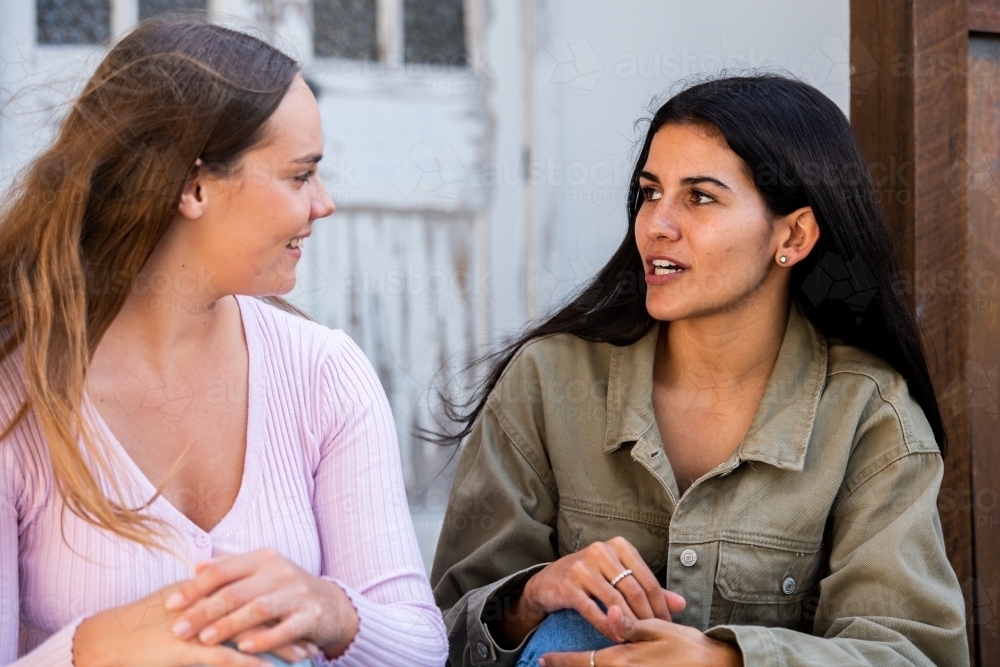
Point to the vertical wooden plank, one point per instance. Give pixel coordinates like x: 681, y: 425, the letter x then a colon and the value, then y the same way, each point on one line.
x: 978, y: 385
x: 911, y: 121
x: 882, y: 108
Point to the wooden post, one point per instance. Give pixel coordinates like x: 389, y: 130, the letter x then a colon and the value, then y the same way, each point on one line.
x: 909, y: 109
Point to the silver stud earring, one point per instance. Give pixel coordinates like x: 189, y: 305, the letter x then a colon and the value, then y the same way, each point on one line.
x: 783, y: 259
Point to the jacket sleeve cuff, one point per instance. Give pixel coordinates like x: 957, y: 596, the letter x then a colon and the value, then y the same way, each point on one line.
x: 755, y: 642
x: 486, y: 605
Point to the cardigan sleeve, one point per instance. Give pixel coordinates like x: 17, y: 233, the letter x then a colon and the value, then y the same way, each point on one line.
x: 368, y: 544
x: 57, y: 650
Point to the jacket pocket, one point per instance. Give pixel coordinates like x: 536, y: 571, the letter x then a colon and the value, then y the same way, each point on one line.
x: 581, y: 524
x: 766, y: 586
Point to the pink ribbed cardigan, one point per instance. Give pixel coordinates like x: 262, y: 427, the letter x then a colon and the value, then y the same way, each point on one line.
x: 322, y: 484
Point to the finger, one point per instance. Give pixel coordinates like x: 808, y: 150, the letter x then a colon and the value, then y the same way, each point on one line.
x: 287, y: 652
x: 223, y: 656
x: 288, y: 632
x: 597, y: 587
x: 219, y: 604
x: 642, y: 582
x: 637, y: 598
x: 587, y: 608
x: 581, y: 659
x: 632, y: 630
x: 675, y: 602
x: 261, y: 610
x: 290, y: 653
x: 211, y: 575
x: 594, y: 574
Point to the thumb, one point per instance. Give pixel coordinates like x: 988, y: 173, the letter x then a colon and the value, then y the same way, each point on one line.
x: 675, y: 603
x: 627, y: 629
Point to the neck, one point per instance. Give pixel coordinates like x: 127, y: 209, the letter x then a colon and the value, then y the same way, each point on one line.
x: 172, y: 310
x: 727, y: 351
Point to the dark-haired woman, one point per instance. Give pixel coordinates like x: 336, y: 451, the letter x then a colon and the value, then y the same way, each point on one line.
x: 230, y: 469
x: 713, y: 456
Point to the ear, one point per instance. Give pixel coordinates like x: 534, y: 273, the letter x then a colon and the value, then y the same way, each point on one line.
x: 798, y: 234
x: 194, y: 199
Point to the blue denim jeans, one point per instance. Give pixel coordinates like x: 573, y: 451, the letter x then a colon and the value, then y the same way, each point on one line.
x: 563, y: 630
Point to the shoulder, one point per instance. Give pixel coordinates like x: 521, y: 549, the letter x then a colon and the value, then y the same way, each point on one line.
x: 287, y: 333
x: 324, y: 366
x: 555, y: 359
x: 543, y: 371
x: 887, y: 402
x: 869, y: 403
x: 299, y: 350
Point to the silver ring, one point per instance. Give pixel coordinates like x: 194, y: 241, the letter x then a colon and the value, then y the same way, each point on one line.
x: 592, y: 657
x: 624, y: 573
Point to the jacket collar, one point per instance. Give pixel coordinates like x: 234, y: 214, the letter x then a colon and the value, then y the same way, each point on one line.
x: 780, y: 431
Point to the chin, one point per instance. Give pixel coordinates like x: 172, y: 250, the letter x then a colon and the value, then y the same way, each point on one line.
x: 666, y: 312
x: 271, y: 287
x: 672, y: 312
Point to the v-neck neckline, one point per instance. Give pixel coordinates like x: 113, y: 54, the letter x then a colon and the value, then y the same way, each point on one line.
x: 163, y: 508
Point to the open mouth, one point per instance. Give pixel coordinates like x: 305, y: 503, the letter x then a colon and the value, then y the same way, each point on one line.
x: 295, y: 243
x: 663, y: 267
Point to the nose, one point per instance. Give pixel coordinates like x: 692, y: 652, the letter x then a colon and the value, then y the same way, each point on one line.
x: 322, y: 203
x: 660, y: 222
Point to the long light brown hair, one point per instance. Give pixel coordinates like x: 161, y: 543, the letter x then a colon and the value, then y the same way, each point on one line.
x: 85, y: 216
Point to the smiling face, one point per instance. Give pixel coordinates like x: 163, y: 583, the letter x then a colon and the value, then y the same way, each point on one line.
x: 253, y: 223
x: 706, y: 238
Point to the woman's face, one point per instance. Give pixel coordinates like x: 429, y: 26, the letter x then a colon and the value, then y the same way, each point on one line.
x: 704, y: 233
x: 257, y: 218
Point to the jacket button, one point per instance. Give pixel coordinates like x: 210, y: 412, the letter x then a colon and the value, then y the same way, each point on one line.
x: 788, y: 586
x: 482, y: 650
x: 689, y: 557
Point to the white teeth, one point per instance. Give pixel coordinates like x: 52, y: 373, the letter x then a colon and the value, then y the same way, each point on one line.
x: 294, y: 243
x: 662, y: 267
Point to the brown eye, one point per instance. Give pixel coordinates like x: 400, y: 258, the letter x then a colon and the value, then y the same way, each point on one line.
x: 649, y: 194
x: 702, y: 198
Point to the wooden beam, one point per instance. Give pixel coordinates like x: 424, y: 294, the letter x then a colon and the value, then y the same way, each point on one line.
x: 909, y: 112
x: 984, y: 16
x: 975, y: 393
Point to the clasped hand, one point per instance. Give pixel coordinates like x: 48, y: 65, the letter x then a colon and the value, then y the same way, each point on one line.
x: 260, y: 601
x: 638, y: 616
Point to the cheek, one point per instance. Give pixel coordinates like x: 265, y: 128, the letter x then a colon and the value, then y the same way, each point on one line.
x: 734, y: 256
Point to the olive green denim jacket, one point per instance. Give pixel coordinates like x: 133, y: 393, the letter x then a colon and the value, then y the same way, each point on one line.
x: 817, y: 543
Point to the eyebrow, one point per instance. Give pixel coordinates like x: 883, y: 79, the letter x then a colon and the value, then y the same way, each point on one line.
x: 309, y: 159
x: 690, y: 180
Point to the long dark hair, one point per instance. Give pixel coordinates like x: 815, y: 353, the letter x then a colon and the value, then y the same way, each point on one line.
x: 799, y: 149
x: 86, y: 215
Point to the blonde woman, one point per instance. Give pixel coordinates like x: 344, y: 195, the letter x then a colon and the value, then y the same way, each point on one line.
x: 189, y: 475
